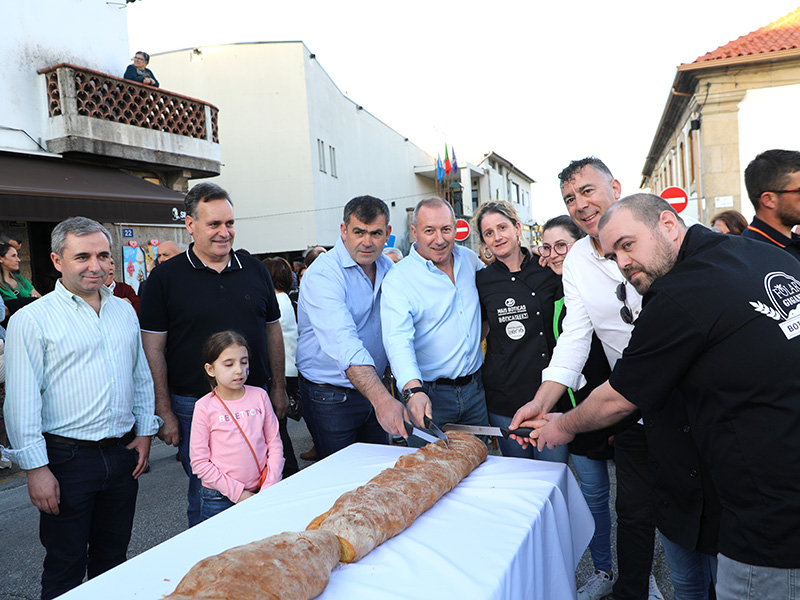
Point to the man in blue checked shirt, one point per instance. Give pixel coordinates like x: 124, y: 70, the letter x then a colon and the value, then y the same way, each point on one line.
x: 431, y: 322
x: 80, y: 410
x: 340, y: 355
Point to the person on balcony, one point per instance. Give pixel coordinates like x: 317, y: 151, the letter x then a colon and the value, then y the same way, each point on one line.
x: 138, y: 71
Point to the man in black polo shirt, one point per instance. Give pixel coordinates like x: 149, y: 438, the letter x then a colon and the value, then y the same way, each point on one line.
x: 773, y: 184
x: 720, y: 322
x: 208, y: 289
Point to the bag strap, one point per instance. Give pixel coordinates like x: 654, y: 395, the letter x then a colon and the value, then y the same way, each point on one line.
x: 239, y: 427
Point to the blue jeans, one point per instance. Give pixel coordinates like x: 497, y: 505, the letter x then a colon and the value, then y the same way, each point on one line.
x: 691, y: 572
x: 513, y: 449
x: 183, y: 407
x: 337, y: 418
x: 98, y: 501
x: 212, y: 502
x: 740, y: 581
x: 593, y: 476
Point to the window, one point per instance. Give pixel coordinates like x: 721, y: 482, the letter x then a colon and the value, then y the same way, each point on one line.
x: 681, y: 163
x: 474, y: 200
x: 321, y: 151
x: 333, y: 161
x: 692, y: 175
x: 515, y: 193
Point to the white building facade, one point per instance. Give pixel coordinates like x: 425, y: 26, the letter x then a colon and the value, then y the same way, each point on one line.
x: 295, y: 149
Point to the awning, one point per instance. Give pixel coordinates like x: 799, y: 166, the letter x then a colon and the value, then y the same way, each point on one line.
x: 51, y: 189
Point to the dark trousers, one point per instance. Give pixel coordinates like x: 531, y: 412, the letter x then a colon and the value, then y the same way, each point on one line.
x: 290, y: 467
x: 98, y: 501
x: 635, y: 523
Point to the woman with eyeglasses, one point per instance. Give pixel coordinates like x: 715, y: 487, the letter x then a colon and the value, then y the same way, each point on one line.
x: 590, y: 451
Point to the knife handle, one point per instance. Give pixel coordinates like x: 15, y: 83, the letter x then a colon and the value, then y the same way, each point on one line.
x: 520, y: 431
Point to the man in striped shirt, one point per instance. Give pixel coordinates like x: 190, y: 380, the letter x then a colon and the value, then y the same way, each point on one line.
x: 80, y: 410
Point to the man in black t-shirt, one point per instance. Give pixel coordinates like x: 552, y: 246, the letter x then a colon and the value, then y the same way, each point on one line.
x: 773, y: 184
x: 207, y: 289
x: 721, y: 322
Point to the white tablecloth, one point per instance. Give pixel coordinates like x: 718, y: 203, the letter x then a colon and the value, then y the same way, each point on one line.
x: 513, y: 529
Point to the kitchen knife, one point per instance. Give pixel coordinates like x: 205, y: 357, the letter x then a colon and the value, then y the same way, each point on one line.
x: 495, y: 431
x: 434, y: 428
x: 421, y: 433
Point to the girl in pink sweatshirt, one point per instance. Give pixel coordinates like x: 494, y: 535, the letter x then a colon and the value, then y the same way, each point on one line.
x: 235, y: 447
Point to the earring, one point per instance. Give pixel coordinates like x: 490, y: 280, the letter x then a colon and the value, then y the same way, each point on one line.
x: 519, y: 241
x: 487, y: 254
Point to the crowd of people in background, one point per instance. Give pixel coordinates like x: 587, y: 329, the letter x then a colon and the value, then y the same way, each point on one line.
x: 626, y: 333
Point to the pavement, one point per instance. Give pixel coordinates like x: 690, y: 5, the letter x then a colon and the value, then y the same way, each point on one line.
x: 160, y: 515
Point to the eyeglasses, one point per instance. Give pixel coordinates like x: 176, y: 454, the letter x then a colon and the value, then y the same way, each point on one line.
x: 625, y: 311
x: 558, y: 248
x: 796, y: 190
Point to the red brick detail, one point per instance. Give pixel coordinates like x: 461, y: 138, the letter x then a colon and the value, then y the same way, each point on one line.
x: 53, y: 95
x: 140, y: 105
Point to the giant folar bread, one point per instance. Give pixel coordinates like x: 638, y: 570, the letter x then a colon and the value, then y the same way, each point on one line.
x: 388, y: 503
x: 288, y: 566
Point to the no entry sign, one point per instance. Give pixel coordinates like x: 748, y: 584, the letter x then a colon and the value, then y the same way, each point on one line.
x: 677, y: 197
x: 462, y: 230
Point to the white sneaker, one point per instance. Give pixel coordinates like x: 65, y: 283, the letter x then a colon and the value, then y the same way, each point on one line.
x: 654, y: 593
x: 599, y: 584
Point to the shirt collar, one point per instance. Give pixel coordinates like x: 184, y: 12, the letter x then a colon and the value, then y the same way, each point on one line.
x: 526, y: 258
x: 63, y: 293
x: 761, y: 227
x: 234, y: 264
x: 429, y: 264
x: 339, y: 251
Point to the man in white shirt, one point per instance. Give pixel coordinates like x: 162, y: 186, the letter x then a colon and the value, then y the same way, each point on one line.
x: 599, y: 299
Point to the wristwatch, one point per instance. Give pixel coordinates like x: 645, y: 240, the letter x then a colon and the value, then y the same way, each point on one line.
x: 411, y: 391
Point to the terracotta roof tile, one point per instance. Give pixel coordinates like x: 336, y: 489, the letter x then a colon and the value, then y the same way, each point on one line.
x: 783, y: 34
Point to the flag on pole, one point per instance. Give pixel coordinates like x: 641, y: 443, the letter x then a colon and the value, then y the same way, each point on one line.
x: 439, y: 168
x: 447, y: 166
x: 455, y: 162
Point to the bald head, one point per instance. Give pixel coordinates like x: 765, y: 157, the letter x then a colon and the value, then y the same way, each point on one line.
x: 167, y: 250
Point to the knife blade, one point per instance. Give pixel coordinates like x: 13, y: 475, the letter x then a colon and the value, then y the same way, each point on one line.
x: 434, y: 428
x: 420, y: 433
x: 483, y: 430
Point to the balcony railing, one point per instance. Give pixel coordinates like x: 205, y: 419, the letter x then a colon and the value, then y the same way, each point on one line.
x: 76, y: 93
x: 104, y: 96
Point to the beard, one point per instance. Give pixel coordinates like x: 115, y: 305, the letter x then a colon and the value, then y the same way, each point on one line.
x: 661, y: 263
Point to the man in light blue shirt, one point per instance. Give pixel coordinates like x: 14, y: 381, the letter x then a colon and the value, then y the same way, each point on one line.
x: 340, y: 355
x: 80, y: 410
x: 431, y: 321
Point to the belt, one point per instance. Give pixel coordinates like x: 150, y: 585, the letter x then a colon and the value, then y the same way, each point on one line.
x: 102, y: 444
x: 457, y: 382
x: 327, y: 386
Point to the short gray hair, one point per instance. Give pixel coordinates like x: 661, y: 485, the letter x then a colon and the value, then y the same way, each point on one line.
x: 391, y: 251
x: 431, y: 202
x: 78, y: 226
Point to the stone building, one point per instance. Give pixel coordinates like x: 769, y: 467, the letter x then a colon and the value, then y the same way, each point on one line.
x: 723, y: 109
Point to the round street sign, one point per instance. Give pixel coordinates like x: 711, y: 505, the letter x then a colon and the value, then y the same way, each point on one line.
x: 677, y: 197
x: 462, y: 230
